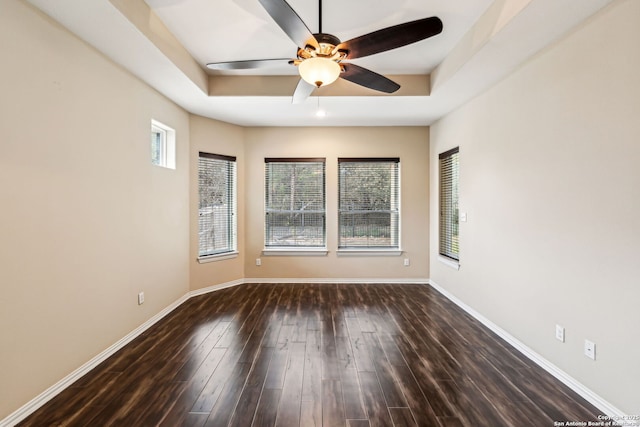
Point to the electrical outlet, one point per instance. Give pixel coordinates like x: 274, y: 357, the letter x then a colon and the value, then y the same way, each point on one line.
x: 559, y: 333
x: 406, y: 262
x: 258, y: 262
x: 590, y: 349
x: 140, y: 298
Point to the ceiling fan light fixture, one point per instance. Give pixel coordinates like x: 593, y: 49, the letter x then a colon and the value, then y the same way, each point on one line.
x: 319, y: 71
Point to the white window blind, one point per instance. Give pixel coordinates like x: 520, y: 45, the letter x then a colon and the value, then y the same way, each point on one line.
x: 369, y: 202
x: 295, y: 203
x: 217, y: 208
x: 449, y: 178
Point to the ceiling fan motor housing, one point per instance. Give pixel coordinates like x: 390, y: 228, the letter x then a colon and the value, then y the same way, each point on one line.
x: 324, y: 46
x: 328, y: 39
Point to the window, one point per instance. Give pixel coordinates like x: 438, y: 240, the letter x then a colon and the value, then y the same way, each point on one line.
x: 449, y: 179
x: 217, y: 208
x: 368, y: 203
x: 295, y: 203
x: 163, y: 145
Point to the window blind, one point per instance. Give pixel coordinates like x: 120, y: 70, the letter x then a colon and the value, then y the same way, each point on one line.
x: 449, y: 179
x: 217, y: 207
x: 369, y: 202
x: 295, y: 202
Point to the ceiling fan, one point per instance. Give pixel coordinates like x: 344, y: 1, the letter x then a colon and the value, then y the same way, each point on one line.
x: 320, y: 56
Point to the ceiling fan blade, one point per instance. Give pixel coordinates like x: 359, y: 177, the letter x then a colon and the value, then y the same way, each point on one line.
x: 303, y: 90
x: 290, y: 22
x: 391, y: 37
x: 368, y: 78
x: 247, y: 65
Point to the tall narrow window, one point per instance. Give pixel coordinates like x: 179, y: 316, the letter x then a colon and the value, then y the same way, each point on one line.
x: 295, y: 203
x: 369, y: 203
x: 217, y: 208
x: 449, y: 179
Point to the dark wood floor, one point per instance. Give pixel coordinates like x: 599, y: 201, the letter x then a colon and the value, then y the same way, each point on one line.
x: 316, y: 355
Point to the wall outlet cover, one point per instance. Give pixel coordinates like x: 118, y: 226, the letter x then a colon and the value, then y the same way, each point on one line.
x: 590, y: 349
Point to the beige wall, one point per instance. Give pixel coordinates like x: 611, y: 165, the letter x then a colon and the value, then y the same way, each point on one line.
x: 217, y: 138
x: 86, y: 222
x: 410, y: 144
x: 549, y: 180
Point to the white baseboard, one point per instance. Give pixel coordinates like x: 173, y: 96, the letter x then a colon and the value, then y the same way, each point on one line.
x: 416, y: 281
x: 55, y: 389
x: 586, y: 393
x: 214, y: 288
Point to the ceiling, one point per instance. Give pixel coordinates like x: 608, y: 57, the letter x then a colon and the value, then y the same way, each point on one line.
x: 167, y: 43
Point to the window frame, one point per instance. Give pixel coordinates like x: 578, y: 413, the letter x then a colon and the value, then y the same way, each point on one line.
x: 229, y: 170
x: 448, y: 206
x: 394, y: 210
x: 271, y: 248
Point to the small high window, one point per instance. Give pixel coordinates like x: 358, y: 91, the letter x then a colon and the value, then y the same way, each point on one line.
x: 163, y: 145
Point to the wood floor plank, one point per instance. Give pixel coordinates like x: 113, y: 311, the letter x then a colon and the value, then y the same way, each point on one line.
x: 329, y: 353
x: 418, y: 404
x: 332, y: 403
x: 225, y: 405
x: 375, y: 405
x: 388, y: 381
x: 470, y: 405
x: 312, y: 366
x: 352, y: 394
x: 267, y: 411
x: 402, y: 417
x: 311, y: 413
x: 194, y: 388
x: 201, y: 354
x: 278, y: 367
x: 214, y: 386
x: 391, y: 350
x: 245, y: 409
x: 290, y: 404
x: 310, y: 354
x: 359, y: 347
x: 163, y: 398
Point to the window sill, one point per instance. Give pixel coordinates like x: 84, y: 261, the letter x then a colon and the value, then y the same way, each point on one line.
x: 369, y: 252
x: 217, y: 257
x: 295, y: 252
x: 449, y: 262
